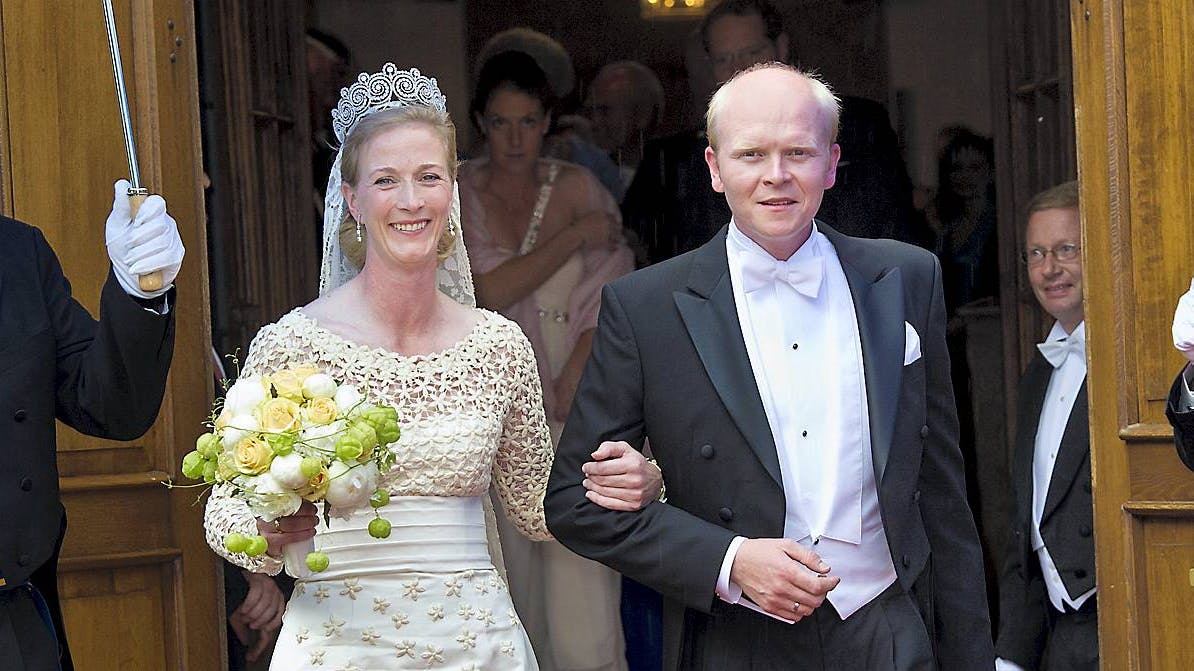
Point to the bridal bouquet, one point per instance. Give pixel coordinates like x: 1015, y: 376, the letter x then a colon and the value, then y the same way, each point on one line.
x: 291, y: 436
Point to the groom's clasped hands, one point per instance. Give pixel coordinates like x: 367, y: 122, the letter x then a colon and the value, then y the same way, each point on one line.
x: 782, y: 577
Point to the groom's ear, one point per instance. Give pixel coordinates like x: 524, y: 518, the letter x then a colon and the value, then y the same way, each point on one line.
x: 714, y: 173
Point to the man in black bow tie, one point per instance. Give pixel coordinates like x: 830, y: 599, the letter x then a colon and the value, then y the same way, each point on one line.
x: 1047, y: 582
x: 794, y: 385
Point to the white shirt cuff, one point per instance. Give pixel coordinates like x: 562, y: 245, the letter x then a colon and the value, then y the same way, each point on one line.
x: 1002, y: 664
x: 726, y: 590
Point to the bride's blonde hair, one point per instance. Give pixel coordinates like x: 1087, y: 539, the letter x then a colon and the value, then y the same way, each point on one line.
x: 365, y: 131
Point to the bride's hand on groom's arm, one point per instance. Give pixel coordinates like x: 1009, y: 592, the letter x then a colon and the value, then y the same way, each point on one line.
x: 294, y: 528
x: 782, y: 576
x: 620, y: 478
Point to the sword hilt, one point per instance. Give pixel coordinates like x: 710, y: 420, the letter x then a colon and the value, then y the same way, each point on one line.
x: 148, y: 281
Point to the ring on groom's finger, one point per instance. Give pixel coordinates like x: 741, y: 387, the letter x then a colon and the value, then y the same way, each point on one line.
x: 796, y: 606
x: 278, y: 526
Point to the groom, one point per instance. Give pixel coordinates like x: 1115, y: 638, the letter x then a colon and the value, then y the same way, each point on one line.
x: 794, y: 385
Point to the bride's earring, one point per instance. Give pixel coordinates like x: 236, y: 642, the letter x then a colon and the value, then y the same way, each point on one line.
x: 359, y: 232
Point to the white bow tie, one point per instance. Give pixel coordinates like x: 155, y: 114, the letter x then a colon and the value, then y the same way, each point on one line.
x: 804, y: 275
x: 1056, y: 351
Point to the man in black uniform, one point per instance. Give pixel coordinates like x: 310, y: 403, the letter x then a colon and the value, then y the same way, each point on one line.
x: 102, y: 378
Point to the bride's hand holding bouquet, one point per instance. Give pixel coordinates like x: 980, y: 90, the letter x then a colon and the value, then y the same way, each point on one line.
x: 286, y: 441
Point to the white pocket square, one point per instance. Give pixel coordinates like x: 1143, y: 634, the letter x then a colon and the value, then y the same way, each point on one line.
x: 911, y: 344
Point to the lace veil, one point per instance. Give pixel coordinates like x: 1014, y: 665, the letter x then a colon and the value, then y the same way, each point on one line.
x: 371, y: 93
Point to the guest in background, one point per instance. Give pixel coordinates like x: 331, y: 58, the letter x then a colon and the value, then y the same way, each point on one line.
x: 624, y: 104
x: 568, y: 138
x: 1048, y: 613
x: 543, y: 238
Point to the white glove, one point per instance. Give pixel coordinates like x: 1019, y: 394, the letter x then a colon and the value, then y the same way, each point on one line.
x: 1183, y: 324
x: 150, y: 243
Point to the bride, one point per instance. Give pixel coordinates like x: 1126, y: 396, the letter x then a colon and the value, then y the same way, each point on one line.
x: 467, y: 389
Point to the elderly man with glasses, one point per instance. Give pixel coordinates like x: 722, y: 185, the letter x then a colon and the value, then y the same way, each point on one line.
x: 1047, y: 584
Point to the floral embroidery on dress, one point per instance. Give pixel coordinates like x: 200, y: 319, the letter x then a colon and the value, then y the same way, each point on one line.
x: 405, y: 649
x: 411, y: 589
x: 369, y: 636
x: 399, y: 619
x: 380, y: 604
x: 321, y: 593
x: 452, y: 586
x: 352, y: 587
x: 436, y: 612
x: 507, y: 648
x: 433, y: 655
x: 467, y: 639
x: 465, y: 612
x: 332, y: 627
x: 302, y: 635
x: 317, y: 657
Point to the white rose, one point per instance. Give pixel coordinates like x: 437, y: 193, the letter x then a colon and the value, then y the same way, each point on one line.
x: 319, y: 385
x: 322, y: 437
x: 347, y: 398
x: 285, y: 470
x: 239, y: 428
x: 351, y: 487
x: 242, y: 398
x: 269, y: 500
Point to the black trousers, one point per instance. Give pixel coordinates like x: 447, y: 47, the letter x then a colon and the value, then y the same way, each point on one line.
x: 887, y: 634
x: 26, y: 643
x: 1073, y: 643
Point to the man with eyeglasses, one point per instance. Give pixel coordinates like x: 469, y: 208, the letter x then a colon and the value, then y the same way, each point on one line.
x: 1047, y: 583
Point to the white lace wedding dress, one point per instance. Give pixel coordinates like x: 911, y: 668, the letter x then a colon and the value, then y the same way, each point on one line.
x: 428, y: 596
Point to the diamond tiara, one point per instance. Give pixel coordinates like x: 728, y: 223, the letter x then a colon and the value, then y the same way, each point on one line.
x: 383, y: 90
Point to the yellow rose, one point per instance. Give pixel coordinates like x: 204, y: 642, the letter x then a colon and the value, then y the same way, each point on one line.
x: 278, y: 414
x: 320, y: 411
x: 304, y: 372
x: 252, y: 456
x: 288, y: 384
x: 317, y: 487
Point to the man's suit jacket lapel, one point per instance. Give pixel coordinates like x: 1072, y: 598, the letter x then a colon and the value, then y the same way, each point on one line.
x: 1032, y: 390
x: 708, y: 309
x: 878, y: 294
x: 1071, y: 454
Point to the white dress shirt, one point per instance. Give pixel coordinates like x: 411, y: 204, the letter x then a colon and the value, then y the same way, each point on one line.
x: 1064, y: 385
x: 814, y: 395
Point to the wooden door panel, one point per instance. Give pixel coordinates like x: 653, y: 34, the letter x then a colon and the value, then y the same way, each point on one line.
x: 1133, y: 63
x: 139, y: 587
x: 134, y: 599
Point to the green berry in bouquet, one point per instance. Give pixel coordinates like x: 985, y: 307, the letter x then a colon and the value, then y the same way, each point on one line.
x: 379, y: 499
x: 236, y: 542
x: 317, y: 561
x: 256, y: 547
x: 193, y: 464
x: 379, y: 527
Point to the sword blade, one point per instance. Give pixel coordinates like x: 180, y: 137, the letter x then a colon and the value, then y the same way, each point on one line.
x: 130, y: 147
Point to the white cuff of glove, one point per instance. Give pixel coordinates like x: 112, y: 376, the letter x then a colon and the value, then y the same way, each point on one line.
x: 147, y: 244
